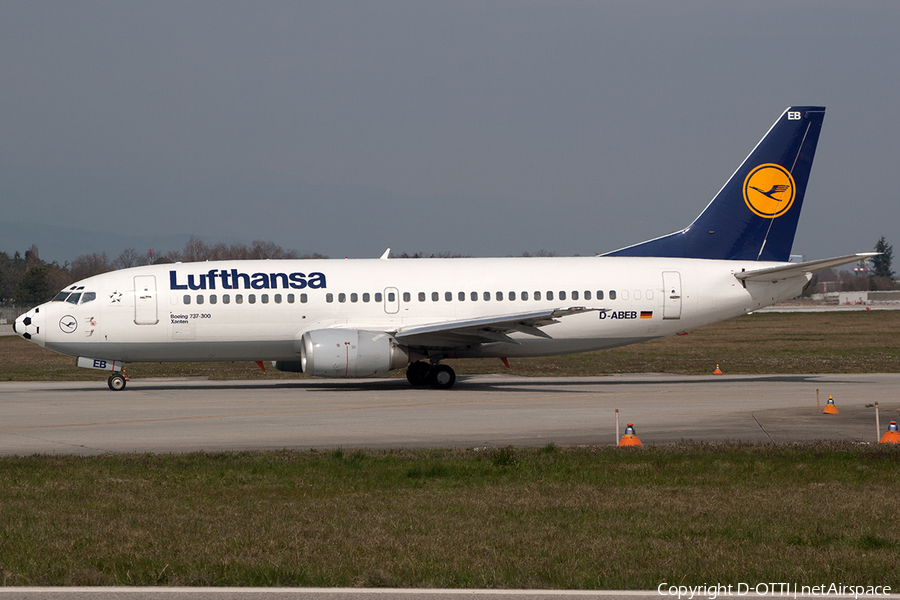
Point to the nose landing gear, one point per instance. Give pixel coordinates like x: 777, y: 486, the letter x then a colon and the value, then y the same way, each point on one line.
x: 117, y: 381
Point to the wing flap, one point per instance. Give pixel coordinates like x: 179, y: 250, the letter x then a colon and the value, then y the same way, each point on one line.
x: 485, y: 330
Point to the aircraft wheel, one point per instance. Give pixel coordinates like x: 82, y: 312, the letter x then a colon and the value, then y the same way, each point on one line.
x: 441, y: 377
x: 417, y: 373
x: 116, y: 383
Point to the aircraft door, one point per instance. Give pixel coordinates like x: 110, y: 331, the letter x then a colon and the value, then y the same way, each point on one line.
x: 671, y: 295
x: 145, y: 312
x: 391, y: 301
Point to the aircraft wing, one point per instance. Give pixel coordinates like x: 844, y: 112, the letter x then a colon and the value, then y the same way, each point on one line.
x: 449, y: 334
x: 772, y: 274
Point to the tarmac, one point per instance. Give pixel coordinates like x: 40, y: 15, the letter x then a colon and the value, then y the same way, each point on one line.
x: 187, y: 415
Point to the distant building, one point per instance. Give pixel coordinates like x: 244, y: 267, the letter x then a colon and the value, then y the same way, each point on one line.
x: 868, y: 297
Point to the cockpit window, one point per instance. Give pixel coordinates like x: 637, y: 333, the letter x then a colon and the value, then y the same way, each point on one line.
x: 88, y: 296
x: 61, y: 296
x: 73, y: 298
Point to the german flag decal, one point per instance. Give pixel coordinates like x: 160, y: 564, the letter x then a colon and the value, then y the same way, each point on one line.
x: 646, y: 314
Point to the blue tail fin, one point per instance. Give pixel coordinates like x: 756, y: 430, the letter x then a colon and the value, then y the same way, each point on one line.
x: 754, y: 216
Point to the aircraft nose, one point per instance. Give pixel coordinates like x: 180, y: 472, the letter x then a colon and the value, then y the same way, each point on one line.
x: 29, y: 325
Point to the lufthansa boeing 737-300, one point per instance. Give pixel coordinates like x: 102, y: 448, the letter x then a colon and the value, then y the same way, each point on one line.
x: 364, y: 317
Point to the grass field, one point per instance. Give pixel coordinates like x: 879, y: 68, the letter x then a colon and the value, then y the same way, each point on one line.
x: 855, y: 342
x: 502, y: 518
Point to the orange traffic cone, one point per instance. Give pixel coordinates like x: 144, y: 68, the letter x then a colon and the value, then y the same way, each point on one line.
x: 718, y: 371
x: 892, y: 436
x: 630, y: 438
x: 830, y: 408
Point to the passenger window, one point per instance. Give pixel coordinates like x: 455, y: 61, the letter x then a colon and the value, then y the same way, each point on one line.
x: 277, y: 298
x: 226, y: 299
x: 461, y: 296
x: 213, y: 299
x: 499, y: 296
x: 549, y: 295
x: 448, y: 296
x: 575, y: 295
x: 612, y: 294
x: 562, y: 295
x: 512, y: 296
x: 329, y: 297
x: 199, y: 298
x: 73, y: 298
x: 366, y: 296
x: 264, y: 298
x: 407, y: 297
x: 537, y: 295
x: 290, y: 298
x: 186, y: 299
x: 599, y: 294
x: 238, y: 298
x: 304, y: 298
x: 473, y: 296
x: 524, y: 295
x: 587, y: 294
x: 378, y: 296
x: 421, y: 296
x: 392, y: 297
x: 487, y: 296
x: 342, y: 297
x: 354, y: 297
x: 251, y: 298
x: 435, y: 296
x: 88, y: 297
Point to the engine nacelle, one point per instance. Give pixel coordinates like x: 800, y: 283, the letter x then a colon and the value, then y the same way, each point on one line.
x: 346, y: 353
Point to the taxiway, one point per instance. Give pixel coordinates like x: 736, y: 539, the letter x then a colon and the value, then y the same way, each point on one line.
x: 185, y: 415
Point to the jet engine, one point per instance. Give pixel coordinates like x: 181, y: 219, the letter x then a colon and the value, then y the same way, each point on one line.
x: 346, y: 353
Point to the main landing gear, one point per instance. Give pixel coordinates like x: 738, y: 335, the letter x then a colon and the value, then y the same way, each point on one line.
x: 440, y: 377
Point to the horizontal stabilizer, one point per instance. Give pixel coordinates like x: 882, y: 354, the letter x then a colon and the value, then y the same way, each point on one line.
x: 781, y: 272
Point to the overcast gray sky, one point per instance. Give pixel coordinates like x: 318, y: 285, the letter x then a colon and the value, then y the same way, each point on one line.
x: 482, y: 128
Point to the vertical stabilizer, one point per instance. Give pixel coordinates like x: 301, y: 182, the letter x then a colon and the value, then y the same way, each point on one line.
x: 754, y: 216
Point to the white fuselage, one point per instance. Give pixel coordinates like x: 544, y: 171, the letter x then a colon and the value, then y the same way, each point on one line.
x: 258, y: 310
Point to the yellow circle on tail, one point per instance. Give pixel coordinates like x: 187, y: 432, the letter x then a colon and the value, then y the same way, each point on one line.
x: 769, y: 190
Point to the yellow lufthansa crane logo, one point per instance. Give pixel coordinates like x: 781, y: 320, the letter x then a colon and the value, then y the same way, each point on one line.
x: 769, y: 191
